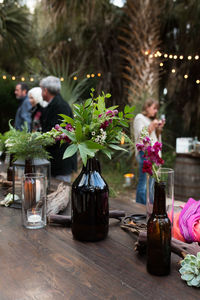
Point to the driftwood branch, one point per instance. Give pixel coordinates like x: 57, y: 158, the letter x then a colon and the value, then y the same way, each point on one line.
x: 58, y: 200
x: 178, y: 247
x: 66, y: 220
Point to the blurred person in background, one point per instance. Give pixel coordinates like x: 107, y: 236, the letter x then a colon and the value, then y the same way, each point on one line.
x: 147, y: 118
x: 60, y: 168
x: 23, y: 113
x: 38, y: 105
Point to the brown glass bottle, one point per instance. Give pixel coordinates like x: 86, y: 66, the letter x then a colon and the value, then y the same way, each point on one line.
x: 90, y: 208
x: 10, y: 168
x: 159, y: 235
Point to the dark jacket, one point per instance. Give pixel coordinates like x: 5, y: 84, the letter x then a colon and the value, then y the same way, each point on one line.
x: 49, y: 119
x: 23, y: 114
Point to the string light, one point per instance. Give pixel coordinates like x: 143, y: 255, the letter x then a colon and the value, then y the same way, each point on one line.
x: 92, y: 75
x: 22, y: 79
x: 157, y: 54
x: 197, y: 81
x: 99, y: 74
x: 185, y: 76
x: 4, y: 77
x: 13, y: 77
x: 173, y: 70
x: 161, y: 64
x: 75, y: 78
x: 32, y: 79
x: 88, y: 75
x: 61, y: 79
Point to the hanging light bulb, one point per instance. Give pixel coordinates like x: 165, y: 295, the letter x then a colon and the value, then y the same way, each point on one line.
x: 31, y: 79
x: 22, y: 79
x: 75, y: 78
x: 99, y: 74
x: 13, y: 77
x: 170, y: 56
x: 185, y: 76
x: 173, y: 70
x: 165, y: 55
x: 197, y: 81
x: 61, y: 79
x: 161, y: 64
x: 88, y: 75
x: 181, y: 56
x: 189, y: 57
x: 92, y: 75
x: 4, y: 77
x: 196, y: 57
x: 175, y: 56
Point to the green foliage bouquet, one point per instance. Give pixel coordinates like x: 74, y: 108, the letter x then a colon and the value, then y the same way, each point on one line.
x: 94, y: 128
x: 25, y: 145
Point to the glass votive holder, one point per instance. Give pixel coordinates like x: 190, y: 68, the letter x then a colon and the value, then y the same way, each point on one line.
x: 34, y: 200
x: 128, y: 179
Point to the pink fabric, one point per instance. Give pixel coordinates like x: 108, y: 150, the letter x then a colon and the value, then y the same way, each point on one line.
x: 189, y: 221
x: 175, y: 229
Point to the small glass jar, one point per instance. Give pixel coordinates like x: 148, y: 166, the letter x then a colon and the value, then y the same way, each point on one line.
x: 34, y: 200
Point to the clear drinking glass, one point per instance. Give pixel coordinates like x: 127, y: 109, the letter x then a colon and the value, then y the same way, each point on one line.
x: 166, y: 175
x: 34, y: 200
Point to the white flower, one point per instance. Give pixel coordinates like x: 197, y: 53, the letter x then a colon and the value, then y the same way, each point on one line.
x: 93, y: 133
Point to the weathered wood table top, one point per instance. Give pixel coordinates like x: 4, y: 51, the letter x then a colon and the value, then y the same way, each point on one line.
x: 49, y: 264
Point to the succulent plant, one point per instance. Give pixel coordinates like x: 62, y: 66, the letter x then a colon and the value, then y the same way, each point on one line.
x: 190, y: 269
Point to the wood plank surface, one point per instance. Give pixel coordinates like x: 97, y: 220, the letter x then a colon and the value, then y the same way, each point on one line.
x: 49, y: 264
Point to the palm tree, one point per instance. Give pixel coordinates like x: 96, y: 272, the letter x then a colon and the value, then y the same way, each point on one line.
x: 140, y: 41
x: 14, y: 34
x: 86, y: 32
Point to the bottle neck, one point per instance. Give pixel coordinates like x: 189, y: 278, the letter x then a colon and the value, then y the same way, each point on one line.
x: 28, y: 166
x: 11, y: 160
x: 92, y: 165
x: 159, y: 205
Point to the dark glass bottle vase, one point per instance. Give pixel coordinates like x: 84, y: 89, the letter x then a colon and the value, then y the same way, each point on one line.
x: 159, y: 234
x: 90, y: 206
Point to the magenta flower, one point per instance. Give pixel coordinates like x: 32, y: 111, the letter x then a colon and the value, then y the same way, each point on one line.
x: 69, y: 127
x: 57, y: 127
x: 153, y: 161
x: 147, y: 167
x: 105, y: 124
x: 140, y: 147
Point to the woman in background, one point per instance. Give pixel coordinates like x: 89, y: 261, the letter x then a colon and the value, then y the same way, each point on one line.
x: 38, y: 105
x: 148, y: 118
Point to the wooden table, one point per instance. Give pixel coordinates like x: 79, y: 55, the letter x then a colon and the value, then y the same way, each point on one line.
x: 49, y: 264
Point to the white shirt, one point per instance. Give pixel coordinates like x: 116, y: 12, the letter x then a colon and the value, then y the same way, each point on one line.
x: 139, y: 123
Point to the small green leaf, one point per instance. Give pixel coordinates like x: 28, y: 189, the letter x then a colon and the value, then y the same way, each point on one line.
x: 128, y: 116
x: 67, y: 119
x: 107, y: 153
x: 108, y: 95
x: 70, y: 134
x: 92, y: 145
x: 115, y: 147
x: 78, y: 131
x: 71, y: 150
x: 87, y: 103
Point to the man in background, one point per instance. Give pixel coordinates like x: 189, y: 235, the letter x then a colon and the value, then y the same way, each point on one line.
x: 23, y: 113
x: 60, y: 168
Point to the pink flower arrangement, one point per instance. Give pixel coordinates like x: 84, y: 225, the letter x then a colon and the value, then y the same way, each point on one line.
x: 152, y: 161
